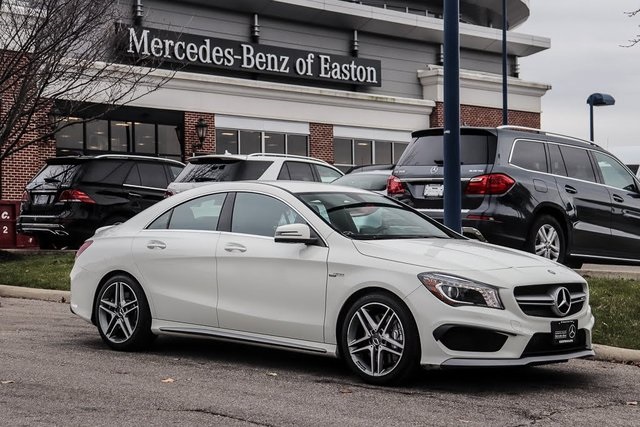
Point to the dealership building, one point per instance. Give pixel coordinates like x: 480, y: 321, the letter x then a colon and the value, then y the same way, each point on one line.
x: 344, y: 81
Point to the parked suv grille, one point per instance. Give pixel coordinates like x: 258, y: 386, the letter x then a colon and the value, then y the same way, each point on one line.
x: 540, y: 301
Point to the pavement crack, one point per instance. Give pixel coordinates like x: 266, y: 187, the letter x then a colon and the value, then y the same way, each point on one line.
x: 223, y: 415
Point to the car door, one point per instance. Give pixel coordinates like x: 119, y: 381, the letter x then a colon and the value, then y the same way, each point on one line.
x: 625, y: 206
x: 145, y: 185
x: 586, y: 202
x: 266, y: 287
x: 175, y: 255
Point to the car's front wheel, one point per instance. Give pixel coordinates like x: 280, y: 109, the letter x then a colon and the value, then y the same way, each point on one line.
x: 379, y: 339
x: 122, y: 314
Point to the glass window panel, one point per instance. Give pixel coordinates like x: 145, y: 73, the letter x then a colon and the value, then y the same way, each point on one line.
x: 153, y: 175
x: 168, y: 142
x: 272, y: 214
x: 98, y: 135
x: 398, y: 149
x: 226, y: 141
x: 120, y: 136
x: 614, y: 174
x: 299, y: 171
x: 557, y: 164
x: 199, y: 214
x: 383, y: 152
x: 145, y: 134
x: 362, y: 152
x: 274, y: 142
x: 342, y: 151
x: 530, y: 155
x: 578, y: 163
x: 327, y: 174
x: 162, y: 222
x: 134, y: 176
x: 70, y: 140
x: 250, y: 142
x: 297, y: 145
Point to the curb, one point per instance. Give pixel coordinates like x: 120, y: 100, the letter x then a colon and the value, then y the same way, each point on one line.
x: 34, y: 293
x: 604, y: 353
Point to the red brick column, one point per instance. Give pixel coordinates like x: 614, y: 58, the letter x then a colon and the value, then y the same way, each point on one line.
x: 321, y: 141
x: 484, y: 116
x: 190, y: 136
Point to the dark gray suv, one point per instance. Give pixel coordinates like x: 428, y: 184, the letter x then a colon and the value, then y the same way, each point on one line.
x: 559, y: 197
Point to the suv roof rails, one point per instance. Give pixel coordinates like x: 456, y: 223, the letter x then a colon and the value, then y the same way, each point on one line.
x: 542, y: 132
x: 293, y: 156
x: 133, y: 156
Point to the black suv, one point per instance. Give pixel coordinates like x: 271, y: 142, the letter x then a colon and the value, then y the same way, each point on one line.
x: 72, y: 196
x: 559, y: 197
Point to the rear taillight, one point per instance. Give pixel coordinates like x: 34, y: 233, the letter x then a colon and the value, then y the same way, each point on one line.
x: 83, y: 248
x: 75, y: 196
x: 494, y: 183
x: 394, y: 185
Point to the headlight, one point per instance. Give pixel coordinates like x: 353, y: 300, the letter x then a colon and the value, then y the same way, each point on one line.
x: 457, y: 291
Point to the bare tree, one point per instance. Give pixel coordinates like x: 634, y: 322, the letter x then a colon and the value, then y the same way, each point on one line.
x: 634, y: 41
x: 63, y: 50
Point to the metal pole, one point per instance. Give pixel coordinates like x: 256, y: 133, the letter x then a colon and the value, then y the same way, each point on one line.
x: 505, y: 89
x: 591, y: 121
x: 451, y: 137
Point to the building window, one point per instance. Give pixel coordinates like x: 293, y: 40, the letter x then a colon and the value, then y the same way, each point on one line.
x: 76, y: 137
x: 234, y: 141
x: 357, y: 152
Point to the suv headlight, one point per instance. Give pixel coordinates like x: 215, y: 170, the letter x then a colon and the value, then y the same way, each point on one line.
x: 458, y: 291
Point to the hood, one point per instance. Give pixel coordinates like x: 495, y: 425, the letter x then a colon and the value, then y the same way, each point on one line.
x: 451, y: 254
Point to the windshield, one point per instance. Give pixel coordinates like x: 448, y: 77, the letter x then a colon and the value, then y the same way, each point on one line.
x: 202, y: 171
x: 371, y: 216
x: 55, y: 176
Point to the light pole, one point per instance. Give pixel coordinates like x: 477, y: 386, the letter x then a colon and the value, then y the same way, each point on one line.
x: 597, y: 100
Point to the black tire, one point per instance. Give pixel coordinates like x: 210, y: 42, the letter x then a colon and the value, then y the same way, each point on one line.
x: 555, y: 247
x: 125, y: 327
x: 401, y: 329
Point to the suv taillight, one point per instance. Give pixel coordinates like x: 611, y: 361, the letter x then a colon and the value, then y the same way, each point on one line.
x: 493, y: 183
x: 394, y: 185
x: 75, y: 196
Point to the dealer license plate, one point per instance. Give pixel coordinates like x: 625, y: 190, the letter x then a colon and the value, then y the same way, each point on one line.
x: 433, y: 190
x: 564, y: 331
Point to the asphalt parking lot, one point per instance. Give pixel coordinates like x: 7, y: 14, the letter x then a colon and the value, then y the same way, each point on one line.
x: 55, y: 370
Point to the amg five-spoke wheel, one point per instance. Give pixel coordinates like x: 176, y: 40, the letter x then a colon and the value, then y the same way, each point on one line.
x: 379, y: 339
x: 122, y: 314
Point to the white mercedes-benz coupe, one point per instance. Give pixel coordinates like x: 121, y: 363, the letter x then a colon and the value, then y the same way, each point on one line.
x: 329, y: 270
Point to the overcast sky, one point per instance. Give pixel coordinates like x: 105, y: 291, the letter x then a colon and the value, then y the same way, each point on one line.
x: 586, y: 57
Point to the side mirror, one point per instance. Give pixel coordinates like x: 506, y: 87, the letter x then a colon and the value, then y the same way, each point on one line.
x: 294, y: 233
x: 473, y: 233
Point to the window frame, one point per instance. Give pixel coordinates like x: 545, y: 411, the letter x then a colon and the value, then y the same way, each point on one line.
x: 344, y: 167
x: 263, y: 139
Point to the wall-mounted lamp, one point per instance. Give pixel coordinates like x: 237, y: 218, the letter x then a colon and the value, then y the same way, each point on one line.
x: 179, y: 133
x: 355, y: 45
x: 54, y: 117
x: 255, y: 29
x: 201, y: 130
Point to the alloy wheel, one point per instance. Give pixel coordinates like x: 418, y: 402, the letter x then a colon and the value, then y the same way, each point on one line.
x: 547, y: 243
x: 118, y: 312
x: 375, y: 339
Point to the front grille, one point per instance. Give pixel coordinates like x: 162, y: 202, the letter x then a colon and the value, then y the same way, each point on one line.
x: 541, y: 344
x: 538, y: 300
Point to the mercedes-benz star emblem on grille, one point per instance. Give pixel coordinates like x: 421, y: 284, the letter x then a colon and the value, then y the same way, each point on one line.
x: 562, y: 301
x: 434, y: 170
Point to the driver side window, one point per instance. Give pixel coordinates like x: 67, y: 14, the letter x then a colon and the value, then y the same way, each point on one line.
x: 614, y: 174
x: 261, y: 215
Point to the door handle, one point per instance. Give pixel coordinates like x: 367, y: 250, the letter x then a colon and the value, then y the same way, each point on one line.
x: 235, y: 247
x: 569, y: 189
x: 617, y: 198
x: 156, y: 244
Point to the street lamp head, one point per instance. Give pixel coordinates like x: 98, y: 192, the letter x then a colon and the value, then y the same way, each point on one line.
x: 600, y: 99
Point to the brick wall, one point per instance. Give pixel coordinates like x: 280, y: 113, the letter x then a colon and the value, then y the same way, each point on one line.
x: 190, y: 136
x: 484, y: 116
x: 321, y: 141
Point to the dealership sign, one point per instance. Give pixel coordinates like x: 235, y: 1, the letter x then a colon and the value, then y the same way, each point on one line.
x: 204, y: 52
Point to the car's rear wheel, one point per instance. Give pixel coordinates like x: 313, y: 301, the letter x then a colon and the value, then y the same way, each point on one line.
x: 122, y: 314
x: 379, y: 339
x: 547, y: 239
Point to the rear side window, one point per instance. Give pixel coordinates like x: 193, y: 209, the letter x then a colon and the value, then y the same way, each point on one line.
x: 327, y: 174
x: 202, y: 213
x: 152, y: 175
x: 578, y: 163
x: 106, y: 171
x: 366, y: 181
x: 296, y: 171
x: 56, y: 175
x: 429, y: 150
x: 557, y: 164
x: 199, y: 171
x: 529, y: 155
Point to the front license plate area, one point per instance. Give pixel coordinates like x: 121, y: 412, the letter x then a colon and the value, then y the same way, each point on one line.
x: 564, y: 332
x: 433, y: 190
